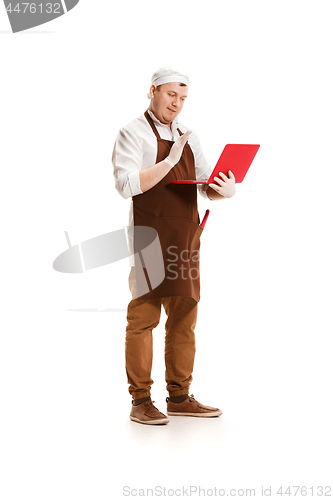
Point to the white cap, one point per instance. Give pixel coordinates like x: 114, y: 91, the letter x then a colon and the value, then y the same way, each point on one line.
x: 168, y: 75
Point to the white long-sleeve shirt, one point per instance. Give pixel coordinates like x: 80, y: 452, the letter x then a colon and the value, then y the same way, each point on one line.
x: 136, y: 148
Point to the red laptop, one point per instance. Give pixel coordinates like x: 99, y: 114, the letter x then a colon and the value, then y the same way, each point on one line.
x: 234, y: 157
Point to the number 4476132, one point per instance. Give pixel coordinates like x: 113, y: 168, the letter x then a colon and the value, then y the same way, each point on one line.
x: 32, y: 8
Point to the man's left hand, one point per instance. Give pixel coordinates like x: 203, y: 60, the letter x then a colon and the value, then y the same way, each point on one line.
x: 225, y: 186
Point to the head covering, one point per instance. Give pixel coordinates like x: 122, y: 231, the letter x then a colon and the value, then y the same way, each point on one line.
x: 168, y: 75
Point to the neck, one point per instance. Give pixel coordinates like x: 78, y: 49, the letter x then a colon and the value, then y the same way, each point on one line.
x: 167, y: 124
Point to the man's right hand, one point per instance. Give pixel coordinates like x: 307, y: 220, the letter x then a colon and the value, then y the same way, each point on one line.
x: 150, y: 176
x: 177, y: 148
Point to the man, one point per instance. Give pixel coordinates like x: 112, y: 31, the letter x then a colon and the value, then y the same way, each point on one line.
x: 149, y: 153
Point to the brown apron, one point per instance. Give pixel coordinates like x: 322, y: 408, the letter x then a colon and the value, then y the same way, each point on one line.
x: 172, y: 210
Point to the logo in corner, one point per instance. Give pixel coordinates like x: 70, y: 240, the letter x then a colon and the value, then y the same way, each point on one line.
x: 26, y: 15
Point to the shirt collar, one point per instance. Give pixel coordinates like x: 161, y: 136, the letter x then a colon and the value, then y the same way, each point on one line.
x: 173, y: 124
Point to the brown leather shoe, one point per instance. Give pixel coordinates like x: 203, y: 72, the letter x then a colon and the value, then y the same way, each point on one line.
x: 147, y: 413
x: 191, y: 408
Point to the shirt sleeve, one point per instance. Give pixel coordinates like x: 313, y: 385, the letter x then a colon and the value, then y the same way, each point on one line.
x: 203, y: 168
x: 127, y: 161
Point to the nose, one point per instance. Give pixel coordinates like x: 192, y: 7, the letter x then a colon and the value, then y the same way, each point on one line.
x: 175, y: 102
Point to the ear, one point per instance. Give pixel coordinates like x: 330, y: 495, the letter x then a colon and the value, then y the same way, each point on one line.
x: 152, y: 91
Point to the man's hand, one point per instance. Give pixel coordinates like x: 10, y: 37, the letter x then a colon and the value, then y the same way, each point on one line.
x: 150, y: 176
x: 177, y: 149
x: 225, y: 187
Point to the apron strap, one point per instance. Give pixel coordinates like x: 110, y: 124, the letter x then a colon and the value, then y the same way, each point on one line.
x: 151, y: 123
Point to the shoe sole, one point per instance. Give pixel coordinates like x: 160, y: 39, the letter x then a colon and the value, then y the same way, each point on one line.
x: 184, y: 414
x: 161, y: 421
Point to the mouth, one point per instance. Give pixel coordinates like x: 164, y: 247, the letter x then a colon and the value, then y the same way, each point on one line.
x: 171, y: 110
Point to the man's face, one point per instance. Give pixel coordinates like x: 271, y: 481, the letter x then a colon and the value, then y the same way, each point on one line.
x: 168, y: 101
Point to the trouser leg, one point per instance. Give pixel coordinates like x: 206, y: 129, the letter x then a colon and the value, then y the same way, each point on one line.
x: 142, y: 317
x: 179, y: 343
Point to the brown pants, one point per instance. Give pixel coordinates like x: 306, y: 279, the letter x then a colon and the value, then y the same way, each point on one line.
x: 143, y: 315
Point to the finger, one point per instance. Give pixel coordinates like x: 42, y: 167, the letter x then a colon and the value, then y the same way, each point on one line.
x: 231, y: 175
x: 219, y: 181
x: 186, y: 135
x: 182, y: 138
x: 180, y: 141
x: 183, y: 142
x: 214, y: 186
x: 224, y: 177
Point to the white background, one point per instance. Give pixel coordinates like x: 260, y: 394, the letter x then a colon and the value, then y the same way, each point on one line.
x: 260, y: 72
